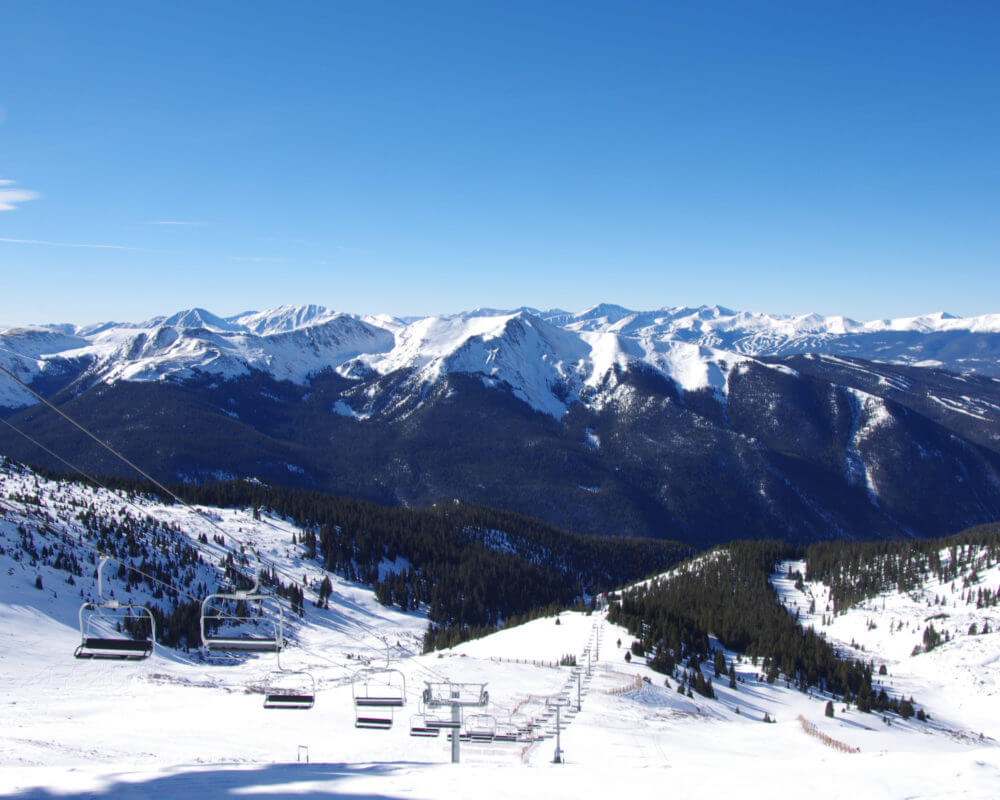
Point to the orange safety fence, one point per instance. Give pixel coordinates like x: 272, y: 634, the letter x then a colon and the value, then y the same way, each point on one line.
x: 530, y: 661
x: 829, y: 741
x: 634, y: 683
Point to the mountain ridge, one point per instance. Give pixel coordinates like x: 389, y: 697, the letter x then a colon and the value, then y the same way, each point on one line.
x: 597, y: 430
x: 694, y: 347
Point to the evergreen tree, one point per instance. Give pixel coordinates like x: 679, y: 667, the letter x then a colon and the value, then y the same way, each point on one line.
x: 719, y: 663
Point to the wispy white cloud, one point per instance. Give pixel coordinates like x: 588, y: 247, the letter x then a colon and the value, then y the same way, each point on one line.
x: 9, y: 198
x: 90, y: 246
x: 73, y: 244
x: 174, y: 222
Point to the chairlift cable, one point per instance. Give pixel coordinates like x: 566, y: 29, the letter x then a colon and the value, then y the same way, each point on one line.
x: 160, y: 486
x: 273, y: 567
x: 123, y: 498
x: 125, y: 460
x: 83, y: 543
x: 105, y: 488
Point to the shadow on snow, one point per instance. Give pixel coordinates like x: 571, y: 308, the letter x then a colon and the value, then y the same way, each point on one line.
x: 231, y: 781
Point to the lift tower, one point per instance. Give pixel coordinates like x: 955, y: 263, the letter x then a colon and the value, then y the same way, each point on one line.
x: 456, y: 696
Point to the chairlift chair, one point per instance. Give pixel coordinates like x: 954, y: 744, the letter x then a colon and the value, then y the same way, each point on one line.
x: 420, y: 727
x: 214, y: 611
x: 288, y: 688
x: 441, y: 719
x: 99, y: 617
x: 480, y: 728
x: 446, y: 693
x: 377, y: 692
x: 526, y: 733
x: 379, y: 723
x: 505, y: 732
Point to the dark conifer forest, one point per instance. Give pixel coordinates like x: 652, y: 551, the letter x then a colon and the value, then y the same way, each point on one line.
x: 857, y: 571
x: 472, y: 567
x: 725, y: 593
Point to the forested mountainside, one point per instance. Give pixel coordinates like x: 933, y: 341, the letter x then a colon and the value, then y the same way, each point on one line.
x: 473, y: 566
x: 804, y: 450
x: 726, y: 594
x: 466, y: 566
x: 699, y: 425
x: 831, y: 615
x: 858, y: 571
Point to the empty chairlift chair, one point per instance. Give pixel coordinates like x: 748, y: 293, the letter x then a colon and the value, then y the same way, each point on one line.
x: 444, y: 702
x: 241, y: 622
x: 107, y: 626
x: 419, y: 726
x: 287, y: 688
x: 506, y: 732
x: 441, y: 719
x: 377, y: 694
x: 480, y: 728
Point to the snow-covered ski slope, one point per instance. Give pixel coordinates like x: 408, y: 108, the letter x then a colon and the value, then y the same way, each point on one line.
x: 178, y: 726
x: 958, y: 680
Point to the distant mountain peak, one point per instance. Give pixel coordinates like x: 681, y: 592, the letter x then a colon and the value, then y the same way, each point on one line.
x: 547, y: 358
x: 608, y: 311
x: 200, y: 318
x: 284, y: 318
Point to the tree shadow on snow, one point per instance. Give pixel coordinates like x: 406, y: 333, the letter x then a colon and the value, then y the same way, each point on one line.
x: 205, y: 783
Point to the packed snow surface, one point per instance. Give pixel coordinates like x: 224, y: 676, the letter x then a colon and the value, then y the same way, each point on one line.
x: 957, y: 680
x: 177, y: 725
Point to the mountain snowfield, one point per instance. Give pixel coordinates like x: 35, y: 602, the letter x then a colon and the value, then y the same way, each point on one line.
x: 177, y: 725
x: 548, y: 359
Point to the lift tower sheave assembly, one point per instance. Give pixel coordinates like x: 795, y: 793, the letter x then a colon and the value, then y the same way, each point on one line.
x: 455, y: 696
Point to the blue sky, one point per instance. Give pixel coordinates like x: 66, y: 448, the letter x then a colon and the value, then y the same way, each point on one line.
x: 417, y: 158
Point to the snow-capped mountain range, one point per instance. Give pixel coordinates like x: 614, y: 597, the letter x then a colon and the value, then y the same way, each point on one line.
x: 671, y: 423
x: 549, y: 359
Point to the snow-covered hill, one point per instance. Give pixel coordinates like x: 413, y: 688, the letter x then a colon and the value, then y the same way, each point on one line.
x: 176, y: 725
x: 953, y: 670
x: 544, y: 357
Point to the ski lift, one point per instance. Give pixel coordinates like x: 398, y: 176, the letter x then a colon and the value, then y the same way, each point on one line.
x: 288, y: 688
x: 522, y: 725
x: 445, y: 694
x: 526, y: 732
x: 480, y: 728
x: 99, y: 617
x: 441, y: 719
x: 419, y: 725
x: 377, y: 692
x: 249, y: 613
x: 505, y: 732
